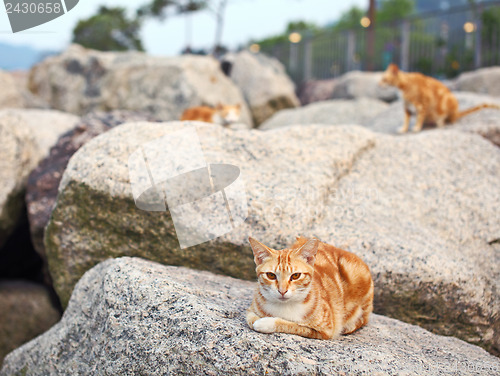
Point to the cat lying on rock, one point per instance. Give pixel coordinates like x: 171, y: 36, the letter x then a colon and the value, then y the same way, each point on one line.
x: 311, y: 289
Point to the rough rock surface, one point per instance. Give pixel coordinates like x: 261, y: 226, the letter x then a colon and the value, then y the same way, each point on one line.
x: 46, y: 126
x: 485, y: 122
x: 130, y: 316
x: 483, y: 81
x: 82, y: 80
x: 358, y: 84
x: 333, y: 112
x: 16, y: 161
x: 41, y: 191
x: 316, y: 90
x: 27, y: 136
x: 264, y: 83
x: 422, y: 210
x: 26, y: 312
x: 10, y: 95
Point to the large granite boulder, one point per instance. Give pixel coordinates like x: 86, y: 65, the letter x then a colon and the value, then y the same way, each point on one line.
x: 41, y: 191
x: 334, y: 112
x: 482, y: 81
x: 357, y: 84
x: 27, y: 311
x: 316, y: 90
x: 264, y: 83
x: 27, y: 136
x: 10, y: 95
x: 81, y: 80
x: 422, y: 211
x: 485, y: 122
x: 131, y: 316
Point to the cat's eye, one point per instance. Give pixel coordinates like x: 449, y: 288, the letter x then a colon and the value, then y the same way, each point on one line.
x: 271, y: 276
x: 295, y: 276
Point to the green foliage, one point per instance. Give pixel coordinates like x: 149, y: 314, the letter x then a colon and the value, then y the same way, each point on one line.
x: 160, y: 8
x: 350, y: 19
x: 491, y: 25
x: 393, y: 10
x: 109, y: 30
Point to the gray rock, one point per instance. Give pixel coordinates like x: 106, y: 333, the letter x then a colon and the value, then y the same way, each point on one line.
x: 482, y: 81
x: 18, y: 156
x: 333, y: 112
x: 43, y: 181
x: 131, y: 316
x: 81, y: 80
x: 26, y: 312
x: 485, y: 122
x: 264, y: 83
x: 358, y: 84
x: 10, y: 95
x: 27, y: 136
x: 421, y: 210
x: 316, y: 90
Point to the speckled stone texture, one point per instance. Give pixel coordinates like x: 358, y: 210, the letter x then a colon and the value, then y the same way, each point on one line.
x: 483, y: 81
x: 10, y: 95
x: 358, y: 84
x: 264, y: 83
x: 43, y: 182
x: 422, y: 210
x: 485, y: 122
x: 26, y: 137
x: 82, y: 80
x: 130, y: 316
x: 26, y: 312
x: 333, y: 112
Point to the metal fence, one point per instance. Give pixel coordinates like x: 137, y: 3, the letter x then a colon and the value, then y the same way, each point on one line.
x: 442, y: 44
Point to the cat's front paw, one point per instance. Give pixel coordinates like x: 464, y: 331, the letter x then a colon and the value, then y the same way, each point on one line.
x: 402, y: 130
x: 265, y: 325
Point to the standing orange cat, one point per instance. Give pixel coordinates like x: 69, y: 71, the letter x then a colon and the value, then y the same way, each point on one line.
x: 311, y: 289
x: 433, y: 101
x: 221, y: 114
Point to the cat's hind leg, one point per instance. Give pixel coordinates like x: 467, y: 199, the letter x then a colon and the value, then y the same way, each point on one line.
x: 441, y: 122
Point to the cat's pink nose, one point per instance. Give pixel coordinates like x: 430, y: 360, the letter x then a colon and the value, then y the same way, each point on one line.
x: 282, y: 293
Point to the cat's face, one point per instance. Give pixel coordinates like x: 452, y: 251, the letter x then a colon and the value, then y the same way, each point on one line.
x: 229, y: 113
x: 284, y: 275
x: 390, y: 76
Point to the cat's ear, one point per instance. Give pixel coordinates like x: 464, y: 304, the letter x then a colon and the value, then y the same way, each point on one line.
x: 308, y: 251
x: 260, y: 251
x: 393, y: 68
x: 219, y: 107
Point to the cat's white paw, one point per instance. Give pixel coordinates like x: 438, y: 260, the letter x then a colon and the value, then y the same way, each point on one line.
x: 402, y: 130
x: 265, y: 325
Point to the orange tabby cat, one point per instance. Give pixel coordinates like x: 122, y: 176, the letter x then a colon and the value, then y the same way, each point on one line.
x: 221, y: 114
x: 433, y: 101
x: 311, y: 289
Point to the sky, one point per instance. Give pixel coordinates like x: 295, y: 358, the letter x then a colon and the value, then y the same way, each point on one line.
x: 245, y: 20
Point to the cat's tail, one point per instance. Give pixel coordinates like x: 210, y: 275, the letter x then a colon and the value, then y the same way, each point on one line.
x: 461, y: 114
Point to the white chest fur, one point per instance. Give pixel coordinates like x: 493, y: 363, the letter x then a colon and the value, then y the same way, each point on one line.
x: 291, y: 311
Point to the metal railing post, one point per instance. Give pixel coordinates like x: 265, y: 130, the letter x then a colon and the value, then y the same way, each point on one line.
x: 405, y: 46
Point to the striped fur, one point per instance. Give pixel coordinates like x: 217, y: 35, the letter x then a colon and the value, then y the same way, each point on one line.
x: 318, y: 291
x: 221, y: 114
x: 434, y: 102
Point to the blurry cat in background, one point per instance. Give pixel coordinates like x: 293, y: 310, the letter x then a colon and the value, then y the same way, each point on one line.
x: 311, y: 289
x: 433, y: 101
x: 220, y: 114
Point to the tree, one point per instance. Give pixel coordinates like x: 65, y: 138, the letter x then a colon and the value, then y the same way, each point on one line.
x: 109, y: 30
x: 350, y: 19
x: 393, y: 10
